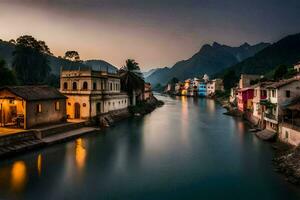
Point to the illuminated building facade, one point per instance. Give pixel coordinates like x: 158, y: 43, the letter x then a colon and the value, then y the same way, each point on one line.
x: 30, y: 106
x: 91, y: 93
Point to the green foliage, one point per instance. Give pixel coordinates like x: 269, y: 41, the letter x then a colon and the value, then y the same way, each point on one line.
x: 131, y: 65
x: 174, y: 80
x: 280, y: 72
x: 230, y: 79
x: 131, y: 80
x: 30, y: 61
x: 158, y: 87
x: 72, y: 56
x: 7, y: 77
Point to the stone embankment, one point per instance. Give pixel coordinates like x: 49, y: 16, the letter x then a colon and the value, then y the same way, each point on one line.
x: 16, y: 143
x: 287, y: 162
x: 287, y: 158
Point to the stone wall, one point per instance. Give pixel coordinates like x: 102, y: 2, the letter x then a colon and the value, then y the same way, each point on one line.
x: 48, y: 114
x: 289, y: 134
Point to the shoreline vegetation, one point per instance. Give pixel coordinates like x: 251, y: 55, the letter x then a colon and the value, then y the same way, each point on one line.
x: 286, y: 158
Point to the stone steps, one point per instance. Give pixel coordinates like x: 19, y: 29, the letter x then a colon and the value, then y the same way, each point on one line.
x: 60, y: 137
x: 56, y: 129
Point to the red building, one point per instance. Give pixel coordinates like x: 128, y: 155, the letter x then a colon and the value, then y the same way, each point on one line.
x: 244, y: 98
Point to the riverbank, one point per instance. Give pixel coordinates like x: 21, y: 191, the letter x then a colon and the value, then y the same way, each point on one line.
x: 145, y: 107
x: 286, y: 159
x: 29, y: 140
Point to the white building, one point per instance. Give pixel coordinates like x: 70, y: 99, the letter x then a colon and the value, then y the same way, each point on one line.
x: 278, y: 95
x: 213, y: 86
x: 91, y: 93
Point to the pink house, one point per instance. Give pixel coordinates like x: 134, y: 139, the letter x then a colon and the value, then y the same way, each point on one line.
x: 244, y: 99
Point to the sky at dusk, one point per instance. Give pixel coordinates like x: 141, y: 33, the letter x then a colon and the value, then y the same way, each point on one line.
x: 155, y: 33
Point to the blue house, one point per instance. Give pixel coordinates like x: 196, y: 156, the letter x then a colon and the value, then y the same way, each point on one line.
x: 202, y: 89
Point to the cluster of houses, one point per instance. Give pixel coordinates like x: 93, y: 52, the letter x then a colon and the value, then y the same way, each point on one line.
x: 273, y: 106
x: 196, y: 87
x: 85, y: 93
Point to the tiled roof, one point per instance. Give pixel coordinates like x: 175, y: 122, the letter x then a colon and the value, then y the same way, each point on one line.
x: 282, y: 83
x: 34, y: 93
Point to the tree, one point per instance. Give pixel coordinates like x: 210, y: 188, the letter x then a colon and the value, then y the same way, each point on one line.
x: 230, y: 79
x: 12, y: 41
x: 30, y: 61
x: 280, y: 72
x: 72, y: 56
x: 131, y: 81
x: 7, y: 77
x: 132, y: 66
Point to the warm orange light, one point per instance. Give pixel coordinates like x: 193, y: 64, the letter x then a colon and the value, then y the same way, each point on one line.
x: 80, y: 153
x: 18, y: 175
x: 39, y: 164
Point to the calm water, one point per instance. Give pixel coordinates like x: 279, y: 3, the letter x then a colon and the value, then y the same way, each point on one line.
x: 185, y: 150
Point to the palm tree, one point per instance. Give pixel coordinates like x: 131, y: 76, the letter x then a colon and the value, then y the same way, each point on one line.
x: 132, y: 80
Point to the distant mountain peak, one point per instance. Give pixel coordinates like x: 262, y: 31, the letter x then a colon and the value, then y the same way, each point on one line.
x: 246, y: 44
x: 216, y: 45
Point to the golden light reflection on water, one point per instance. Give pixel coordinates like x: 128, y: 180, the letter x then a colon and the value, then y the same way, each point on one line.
x: 39, y: 164
x: 18, y: 175
x: 184, y: 119
x: 80, y: 153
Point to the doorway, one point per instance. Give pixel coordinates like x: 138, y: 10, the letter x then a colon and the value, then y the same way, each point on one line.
x: 77, y: 111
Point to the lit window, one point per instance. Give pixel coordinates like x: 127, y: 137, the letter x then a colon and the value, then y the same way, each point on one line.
x: 11, y: 101
x: 39, y: 108
x: 57, y: 105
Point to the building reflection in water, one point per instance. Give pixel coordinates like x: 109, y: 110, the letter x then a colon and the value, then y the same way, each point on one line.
x: 18, y: 175
x: 211, y: 106
x: 184, y: 119
x: 39, y: 164
x: 80, y: 154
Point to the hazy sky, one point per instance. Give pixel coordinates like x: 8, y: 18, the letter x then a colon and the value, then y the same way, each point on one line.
x: 154, y: 32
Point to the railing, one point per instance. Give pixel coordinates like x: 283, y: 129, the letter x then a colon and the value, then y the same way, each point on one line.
x: 270, y: 116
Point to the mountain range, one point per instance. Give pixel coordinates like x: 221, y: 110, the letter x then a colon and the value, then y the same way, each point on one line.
x: 7, y: 48
x: 283, y: 52
x: 209, y: 60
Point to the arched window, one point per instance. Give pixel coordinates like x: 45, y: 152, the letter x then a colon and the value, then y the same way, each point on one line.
x: 85, y: 85
x: 111, y: 85
x: 65, y: 85
x: 74, y: 86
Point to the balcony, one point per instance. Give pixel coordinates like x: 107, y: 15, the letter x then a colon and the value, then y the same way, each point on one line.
x: 271, y: 118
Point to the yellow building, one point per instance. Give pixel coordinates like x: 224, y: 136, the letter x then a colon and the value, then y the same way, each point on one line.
x: 91, y: 93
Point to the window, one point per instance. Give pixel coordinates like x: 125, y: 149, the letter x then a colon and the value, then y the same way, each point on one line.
x: 65, y: 85
x: 74, y: 86
x: 111, y: 86
x: 286, y: 135
x: 11, y: 101
x: 85, y: 85
x: 94, y: 86
x: 57, y: 105
x: 39, y: 108
x: 288, y: 93
x: 273, y: 93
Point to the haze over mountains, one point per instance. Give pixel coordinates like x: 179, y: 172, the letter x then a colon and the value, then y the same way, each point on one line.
x: 210, y: 60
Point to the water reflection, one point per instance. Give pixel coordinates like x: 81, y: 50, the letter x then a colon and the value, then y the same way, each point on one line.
x: 39, y: 164
x: 80, y: 154
x: 18, y: 176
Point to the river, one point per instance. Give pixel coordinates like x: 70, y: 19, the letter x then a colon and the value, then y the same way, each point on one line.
x: 186, y: 149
